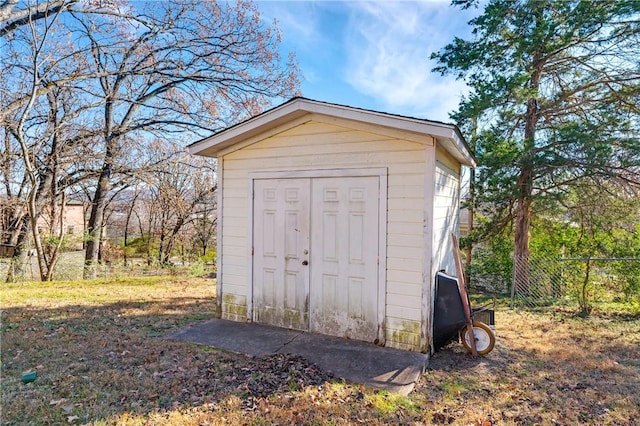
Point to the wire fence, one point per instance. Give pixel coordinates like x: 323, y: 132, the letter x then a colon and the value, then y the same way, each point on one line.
x: 542, y: 281
x: 585, y: 282
x: 531, y: 283
x: 71, y: 267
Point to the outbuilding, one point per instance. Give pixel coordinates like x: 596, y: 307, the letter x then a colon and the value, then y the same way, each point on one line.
x: 335, y: 220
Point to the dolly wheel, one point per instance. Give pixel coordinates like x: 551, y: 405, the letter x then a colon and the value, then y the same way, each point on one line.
x: 485, y: 339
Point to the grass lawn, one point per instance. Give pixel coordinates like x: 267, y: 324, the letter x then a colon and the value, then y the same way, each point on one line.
x: 100, y: 358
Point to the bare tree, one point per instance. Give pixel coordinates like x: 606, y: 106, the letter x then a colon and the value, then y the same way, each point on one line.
x: 30, y: 128
x: 177, y: 67
x: 105, y: 83
x: 204, y: 225
x: 13, y: 15
x: 182, y: 190
x: 42, y: 114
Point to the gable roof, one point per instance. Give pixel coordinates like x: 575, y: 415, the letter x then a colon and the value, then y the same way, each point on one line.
x: 448, y: 135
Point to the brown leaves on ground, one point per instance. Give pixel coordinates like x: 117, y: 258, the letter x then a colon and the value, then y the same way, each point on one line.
x: 106, y: 362
x: 546, y: 369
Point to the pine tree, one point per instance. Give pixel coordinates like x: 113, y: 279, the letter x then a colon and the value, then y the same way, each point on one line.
x: 555, y: 92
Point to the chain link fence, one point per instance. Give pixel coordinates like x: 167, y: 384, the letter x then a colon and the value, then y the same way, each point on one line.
x: 582, y: 282
x: 541, y: 281
x: 532, y: 283
x: 71, y: 267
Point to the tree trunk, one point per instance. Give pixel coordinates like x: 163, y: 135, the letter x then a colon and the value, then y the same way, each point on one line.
x: 55, y: 252
x: 525, y: 179
x: 161, y: 247
x: 524, y: 203
x: 17, y: 225
x: 126, y: 229
x: 172, y: 239
x: 521, y: 243
x: 525, y: 197
x: 18, y: 240
x: 35, y: 232
x: 22, y: 225
x: 94, y: 227
x: 126, y: 237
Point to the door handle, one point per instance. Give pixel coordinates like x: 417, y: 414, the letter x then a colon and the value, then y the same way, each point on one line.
x: 305, y: 262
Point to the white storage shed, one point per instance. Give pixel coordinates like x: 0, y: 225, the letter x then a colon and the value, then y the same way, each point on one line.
x: 335, y: 219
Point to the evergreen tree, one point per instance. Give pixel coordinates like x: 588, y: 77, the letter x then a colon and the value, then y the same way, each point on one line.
x: 555, y: 93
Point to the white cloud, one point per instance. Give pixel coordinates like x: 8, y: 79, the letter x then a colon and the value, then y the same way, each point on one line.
x: 388, y: 45
x: 298, y: 20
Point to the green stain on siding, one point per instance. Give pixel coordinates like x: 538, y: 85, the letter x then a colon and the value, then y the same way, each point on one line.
x: 232, y: 307
x: 409, y: 334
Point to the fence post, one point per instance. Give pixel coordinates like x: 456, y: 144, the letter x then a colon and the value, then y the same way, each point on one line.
x: 513, y: 282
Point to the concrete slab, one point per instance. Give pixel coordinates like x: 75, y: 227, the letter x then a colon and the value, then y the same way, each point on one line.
x: 356, y: 362
x: 238, y: 337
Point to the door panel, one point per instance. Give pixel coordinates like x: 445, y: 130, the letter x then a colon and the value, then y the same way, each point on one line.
x: 281, y: 237
x: 344, y: 256
x: 332, y: 224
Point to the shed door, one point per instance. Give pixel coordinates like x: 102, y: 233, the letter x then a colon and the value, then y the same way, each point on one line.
x: 344, y: 249
x: 316, y: 254
x: 281, y: 238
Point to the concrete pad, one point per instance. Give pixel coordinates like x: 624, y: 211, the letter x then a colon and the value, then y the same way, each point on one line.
x: 356, y: 362
x: 240, y: 337
x: 359, y: 362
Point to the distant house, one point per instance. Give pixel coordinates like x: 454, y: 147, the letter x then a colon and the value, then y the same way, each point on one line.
x: 335, y: 219
x: 74, y: 222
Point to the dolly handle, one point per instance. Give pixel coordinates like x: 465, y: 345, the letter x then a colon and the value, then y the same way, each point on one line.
x: 463, y: 292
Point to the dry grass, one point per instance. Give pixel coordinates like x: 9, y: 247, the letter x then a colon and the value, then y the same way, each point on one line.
x: 546, y: 369
x: 100, y: 357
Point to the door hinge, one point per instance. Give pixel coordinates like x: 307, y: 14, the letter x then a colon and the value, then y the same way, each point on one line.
x: 251, y: 251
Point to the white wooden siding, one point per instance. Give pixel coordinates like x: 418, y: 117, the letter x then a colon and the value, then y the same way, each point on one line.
x: 314, y: 145
x: 446, y: 210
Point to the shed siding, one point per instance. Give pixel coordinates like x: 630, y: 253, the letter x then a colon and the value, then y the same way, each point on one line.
x: 315, y: 145
x: 446, y: 210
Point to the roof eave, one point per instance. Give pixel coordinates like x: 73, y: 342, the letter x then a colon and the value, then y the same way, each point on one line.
x: 210, y: 146
x: 299, y: 107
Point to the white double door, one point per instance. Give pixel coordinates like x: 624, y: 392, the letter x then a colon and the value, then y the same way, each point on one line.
x: 315, y: 254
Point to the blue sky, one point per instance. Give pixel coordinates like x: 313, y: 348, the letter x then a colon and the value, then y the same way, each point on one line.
x: 373, y: 55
